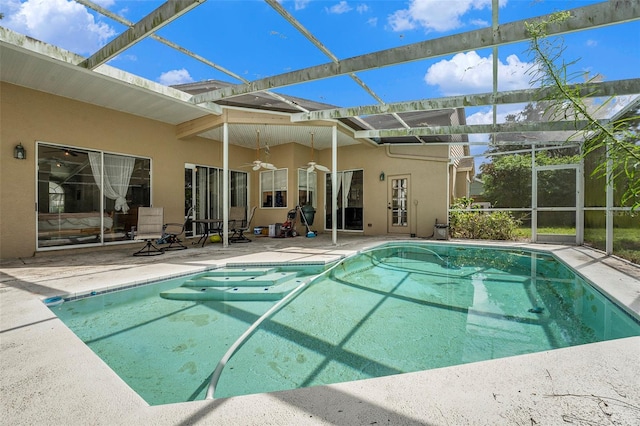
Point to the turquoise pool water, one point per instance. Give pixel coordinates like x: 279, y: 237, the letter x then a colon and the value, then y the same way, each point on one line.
x: 391, y: 310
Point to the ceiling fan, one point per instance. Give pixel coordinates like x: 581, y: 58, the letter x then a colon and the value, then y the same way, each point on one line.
x: 312, y: 164
x: 257, y: 163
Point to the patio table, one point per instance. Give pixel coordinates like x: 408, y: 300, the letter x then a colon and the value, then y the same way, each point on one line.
x: 209, y: 226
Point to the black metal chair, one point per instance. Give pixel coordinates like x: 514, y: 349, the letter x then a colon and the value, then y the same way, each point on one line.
x: 240, y: 226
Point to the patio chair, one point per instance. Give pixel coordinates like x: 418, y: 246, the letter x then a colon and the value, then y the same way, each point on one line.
x: 172, y: 231
x: 241, y: 226
x: 149, y: 229
x: 237, y: 216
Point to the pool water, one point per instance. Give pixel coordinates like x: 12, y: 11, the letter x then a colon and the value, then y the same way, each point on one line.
x: 165, y: 350
x: 391, y: 310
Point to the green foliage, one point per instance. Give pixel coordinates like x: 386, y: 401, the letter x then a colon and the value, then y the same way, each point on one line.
x: 626, y: 241
x: 468, y: 222
x: 619, y: 137
x: 507, y: 180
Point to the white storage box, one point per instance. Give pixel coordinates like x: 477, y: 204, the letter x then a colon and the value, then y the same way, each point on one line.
x: 274, y: 230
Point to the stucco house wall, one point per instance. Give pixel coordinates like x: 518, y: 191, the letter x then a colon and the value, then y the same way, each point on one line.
x: 28, y: 116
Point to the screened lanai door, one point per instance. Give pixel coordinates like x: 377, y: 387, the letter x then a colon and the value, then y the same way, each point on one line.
x: 557, y: 195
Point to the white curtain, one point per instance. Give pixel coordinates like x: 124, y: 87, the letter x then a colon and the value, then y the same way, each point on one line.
x: 239, y: 188
x: 117, y: 174
x: 347, y: 186
x: 339, y: 175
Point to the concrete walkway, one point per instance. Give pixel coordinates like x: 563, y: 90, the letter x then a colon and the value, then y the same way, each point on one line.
x: 49, y: 377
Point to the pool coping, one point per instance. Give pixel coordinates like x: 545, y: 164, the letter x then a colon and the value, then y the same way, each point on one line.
x: 47, y: 369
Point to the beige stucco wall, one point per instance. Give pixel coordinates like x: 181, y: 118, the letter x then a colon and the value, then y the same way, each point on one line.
x: 27, y: 116
x: 427, y: 171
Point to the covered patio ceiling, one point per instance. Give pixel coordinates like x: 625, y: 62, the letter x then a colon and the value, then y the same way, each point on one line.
x: 201, y: 107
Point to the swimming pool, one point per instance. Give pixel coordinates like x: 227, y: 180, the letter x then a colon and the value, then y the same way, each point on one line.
x: 393, y: 309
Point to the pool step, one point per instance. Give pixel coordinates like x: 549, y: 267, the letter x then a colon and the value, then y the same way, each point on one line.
x: 266, y: 280
x: 240, y: 272
x: 236, y: 293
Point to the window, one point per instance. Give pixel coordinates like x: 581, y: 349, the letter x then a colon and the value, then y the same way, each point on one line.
x: 307, y: 185
x: 88, y: 197
x: 56, y: 198
x: 273, y: 188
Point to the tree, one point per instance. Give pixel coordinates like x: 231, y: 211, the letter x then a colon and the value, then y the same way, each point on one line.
x: 507, y: 181
x: 614, y: 144
x: 532, y: 112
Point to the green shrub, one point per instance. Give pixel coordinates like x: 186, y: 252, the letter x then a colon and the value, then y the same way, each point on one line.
x: 472, y: 223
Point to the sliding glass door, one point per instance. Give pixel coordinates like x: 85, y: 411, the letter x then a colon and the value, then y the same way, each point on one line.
x: 87, y: 196
x: 203, y: 191
x: 349, y: 215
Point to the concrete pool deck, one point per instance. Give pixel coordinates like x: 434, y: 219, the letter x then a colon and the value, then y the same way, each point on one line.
x: 50, y: 377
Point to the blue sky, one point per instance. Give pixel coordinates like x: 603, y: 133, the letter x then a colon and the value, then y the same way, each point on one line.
x: 250, y: 39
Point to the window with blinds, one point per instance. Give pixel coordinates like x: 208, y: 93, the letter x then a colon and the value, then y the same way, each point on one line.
x: 273, y: 188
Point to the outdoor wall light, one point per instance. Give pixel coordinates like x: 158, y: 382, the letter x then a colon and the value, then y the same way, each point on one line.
x: 19, y: 152
x: 381, y: 176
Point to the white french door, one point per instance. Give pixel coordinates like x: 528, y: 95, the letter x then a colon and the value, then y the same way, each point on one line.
x: 398, y: 219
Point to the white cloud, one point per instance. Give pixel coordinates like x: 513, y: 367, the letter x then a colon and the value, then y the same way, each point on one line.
x: 299, y: 4
x: 342, y: 7
x: 362, y: 8
x: 435, y: 15
x: 9, y: 7
x: 63, y: 23
x: 479, y: 23
x: 485, y: 115
x: 481, y: 117
x: 372, y: 22
x: 125, y: 57
x: 470, y: 73
x: 401, y: 21
x: 174, y: 77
